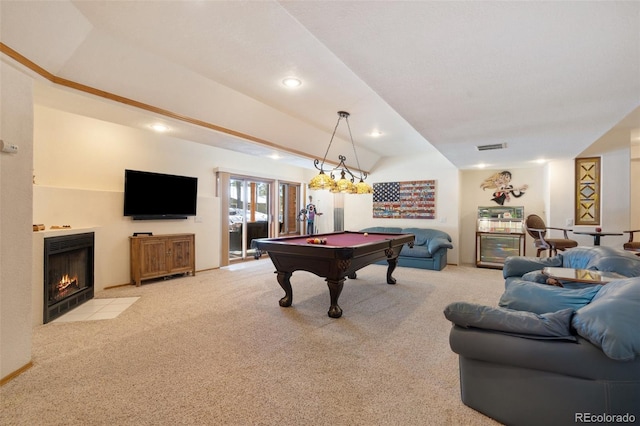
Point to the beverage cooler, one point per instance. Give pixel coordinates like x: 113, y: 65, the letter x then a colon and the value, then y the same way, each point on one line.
x: 499, y: 234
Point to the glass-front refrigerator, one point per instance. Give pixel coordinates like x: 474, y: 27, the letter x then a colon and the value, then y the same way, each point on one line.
x: 499, y: 234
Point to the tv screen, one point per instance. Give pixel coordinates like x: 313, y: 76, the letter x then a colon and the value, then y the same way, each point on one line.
x: 159, y: 196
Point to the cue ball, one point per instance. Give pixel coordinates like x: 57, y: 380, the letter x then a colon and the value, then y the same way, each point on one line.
x: 366, y: 234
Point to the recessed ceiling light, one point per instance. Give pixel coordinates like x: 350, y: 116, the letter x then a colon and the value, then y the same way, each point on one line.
x: 159, y: 127
x: 292, y: 82
x: 541, y: 161
x: 481, y: 166
x: 375, y: 134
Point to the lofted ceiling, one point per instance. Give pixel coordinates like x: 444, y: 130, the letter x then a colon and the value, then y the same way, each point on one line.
x: 546, y: 79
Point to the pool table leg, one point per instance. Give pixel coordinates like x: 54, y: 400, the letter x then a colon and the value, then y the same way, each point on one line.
x: 392, y: 267
x: 335, y: 288
x: 285, y: 283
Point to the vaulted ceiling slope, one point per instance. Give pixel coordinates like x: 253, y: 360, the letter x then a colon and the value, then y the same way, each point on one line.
x: 545, y: 78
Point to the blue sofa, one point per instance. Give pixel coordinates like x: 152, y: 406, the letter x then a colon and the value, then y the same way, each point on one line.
x: 553, y: 355
x: 429, y: 249
x: 598, y: 258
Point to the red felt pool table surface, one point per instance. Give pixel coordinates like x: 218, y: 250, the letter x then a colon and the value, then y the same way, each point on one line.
x: 343, y: 254
x: 342, y: 239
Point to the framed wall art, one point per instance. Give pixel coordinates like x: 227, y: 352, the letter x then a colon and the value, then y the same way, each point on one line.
x: 405, y: 200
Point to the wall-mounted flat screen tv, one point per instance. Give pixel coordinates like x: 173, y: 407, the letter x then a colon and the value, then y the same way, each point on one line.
x: 150, y: 195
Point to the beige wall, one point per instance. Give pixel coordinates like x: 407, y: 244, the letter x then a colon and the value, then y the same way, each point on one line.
x: 16, y: 126
x: 473, y: 196
x: 79, y: 168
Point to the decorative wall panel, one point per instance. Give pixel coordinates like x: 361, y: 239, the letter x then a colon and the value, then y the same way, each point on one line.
x: 587, y: 191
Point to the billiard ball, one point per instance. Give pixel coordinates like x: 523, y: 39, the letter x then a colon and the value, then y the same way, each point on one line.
x: 366, y: 234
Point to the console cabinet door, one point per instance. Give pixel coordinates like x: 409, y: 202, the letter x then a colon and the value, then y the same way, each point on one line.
x: 181, y: 254
x: 154, y: 259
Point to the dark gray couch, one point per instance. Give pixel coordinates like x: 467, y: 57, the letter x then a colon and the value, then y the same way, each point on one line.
x: 564, y: 356
x: 429, y: 249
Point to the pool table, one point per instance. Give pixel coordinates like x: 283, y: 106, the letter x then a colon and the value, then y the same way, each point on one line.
x: 341, y: 255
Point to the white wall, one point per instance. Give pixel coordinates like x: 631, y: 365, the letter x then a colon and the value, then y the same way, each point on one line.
x: 634, y: 181
x: 16, y: 126
x: 359, y: 208
x: 634, y: 221
x: 616, y: 193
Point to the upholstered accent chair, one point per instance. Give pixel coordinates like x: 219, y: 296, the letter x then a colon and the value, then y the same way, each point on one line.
x: 632, y: 245
x: 537, y: 229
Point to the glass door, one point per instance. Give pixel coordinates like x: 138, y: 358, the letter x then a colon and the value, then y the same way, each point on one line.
x: 288, y: 209
x: 249, y: 206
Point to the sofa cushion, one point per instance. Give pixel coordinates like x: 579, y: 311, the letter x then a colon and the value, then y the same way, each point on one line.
x: 554, y: 325
x: 384, y: 229
x: 433, y: 239
x: 416, y: 251
x: 611, y: 320
x: 599, y: 257
x: 629, y: 266
x: 542, y: 298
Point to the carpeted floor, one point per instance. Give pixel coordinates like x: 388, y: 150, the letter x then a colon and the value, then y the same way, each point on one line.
x: 217, y: 349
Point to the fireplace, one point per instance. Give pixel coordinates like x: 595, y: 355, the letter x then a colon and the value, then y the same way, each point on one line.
x: 68, y: 273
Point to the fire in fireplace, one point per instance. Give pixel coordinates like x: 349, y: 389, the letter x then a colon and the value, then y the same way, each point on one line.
x: 68, y: 273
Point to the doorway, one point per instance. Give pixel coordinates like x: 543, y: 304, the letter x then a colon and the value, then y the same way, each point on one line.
x: 289, y: 209
x: 249, y: 207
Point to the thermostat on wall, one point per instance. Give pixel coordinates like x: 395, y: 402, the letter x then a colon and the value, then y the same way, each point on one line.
x: 8, y: 147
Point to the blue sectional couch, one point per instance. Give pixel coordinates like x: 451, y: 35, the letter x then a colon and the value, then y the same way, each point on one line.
x: 554, y: 355
x: 599, y: 258
x: 429, y: 250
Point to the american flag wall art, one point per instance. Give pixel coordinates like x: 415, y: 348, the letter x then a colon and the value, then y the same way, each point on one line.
x: 405, y: 200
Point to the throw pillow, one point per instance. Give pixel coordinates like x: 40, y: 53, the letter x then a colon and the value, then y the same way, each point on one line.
x: 611, y: 320
x: 554, y: 325
x: 541, y: 298
x: 536, y: 277
x: 517, y: 266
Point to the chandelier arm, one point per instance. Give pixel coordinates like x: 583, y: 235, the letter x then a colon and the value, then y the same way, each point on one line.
x: 330, y: 142
x: 354, y: 152
x: 343, y: 167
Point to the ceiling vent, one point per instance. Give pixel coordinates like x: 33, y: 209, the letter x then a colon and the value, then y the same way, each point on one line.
x: 491, y: 146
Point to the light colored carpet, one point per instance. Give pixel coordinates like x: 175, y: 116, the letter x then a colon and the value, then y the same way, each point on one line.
x: 217, y: 349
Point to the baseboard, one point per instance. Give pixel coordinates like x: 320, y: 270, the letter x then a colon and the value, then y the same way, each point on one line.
x: 16, y: 373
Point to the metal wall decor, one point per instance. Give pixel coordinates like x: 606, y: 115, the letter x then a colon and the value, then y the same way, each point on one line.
x: 502, y: 187
x: 587, y: 210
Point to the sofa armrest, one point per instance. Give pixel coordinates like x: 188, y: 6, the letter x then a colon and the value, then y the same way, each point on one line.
x: 438, y: 243
x: 500, y: 348
x: 517, y: 266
